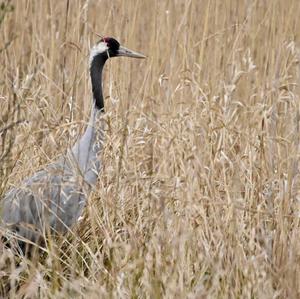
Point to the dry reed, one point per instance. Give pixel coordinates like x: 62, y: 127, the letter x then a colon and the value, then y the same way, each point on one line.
x: 199, y: 192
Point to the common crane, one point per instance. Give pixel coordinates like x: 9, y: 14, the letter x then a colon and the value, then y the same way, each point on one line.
x: 53, y: 199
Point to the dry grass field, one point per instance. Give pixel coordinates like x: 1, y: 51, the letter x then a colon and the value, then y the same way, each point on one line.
x: 199, y: 196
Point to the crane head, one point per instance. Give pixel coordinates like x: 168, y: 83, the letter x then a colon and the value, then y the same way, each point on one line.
x: 112, y: 48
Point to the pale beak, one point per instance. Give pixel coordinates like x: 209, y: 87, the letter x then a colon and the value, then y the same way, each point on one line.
x: 129, y: 53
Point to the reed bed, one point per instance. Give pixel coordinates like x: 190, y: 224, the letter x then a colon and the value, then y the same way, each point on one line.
x: 199, y: 194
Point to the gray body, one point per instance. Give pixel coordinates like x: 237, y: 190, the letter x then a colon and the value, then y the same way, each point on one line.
x: 53, y: 198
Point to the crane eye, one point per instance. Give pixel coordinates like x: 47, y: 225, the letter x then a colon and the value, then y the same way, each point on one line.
x: 111, y: 43
x: 105, y: 40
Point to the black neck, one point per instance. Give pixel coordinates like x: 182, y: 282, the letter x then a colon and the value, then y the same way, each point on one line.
x: 96, y: 68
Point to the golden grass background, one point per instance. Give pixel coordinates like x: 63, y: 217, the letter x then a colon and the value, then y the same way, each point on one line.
x: 199, y: 192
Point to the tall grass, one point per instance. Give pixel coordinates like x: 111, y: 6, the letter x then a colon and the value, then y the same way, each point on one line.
x: 199, y: 192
